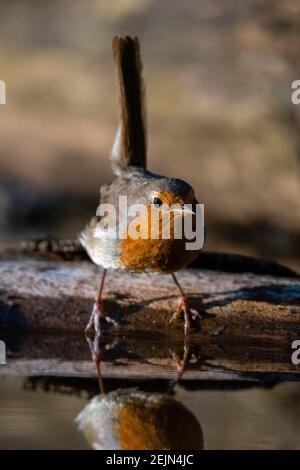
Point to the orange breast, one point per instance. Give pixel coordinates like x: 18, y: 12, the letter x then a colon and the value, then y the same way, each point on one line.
x: 159, y: 255
x: 165, y: 425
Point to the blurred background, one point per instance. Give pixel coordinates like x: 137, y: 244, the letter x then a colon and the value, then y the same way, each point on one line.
x: 220, y: 115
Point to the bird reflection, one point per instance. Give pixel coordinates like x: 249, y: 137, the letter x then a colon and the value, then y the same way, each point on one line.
x: 131, y: 419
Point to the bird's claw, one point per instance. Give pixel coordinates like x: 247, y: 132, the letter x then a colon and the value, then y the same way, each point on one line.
x: 191, y: 316
x: 98, y: 319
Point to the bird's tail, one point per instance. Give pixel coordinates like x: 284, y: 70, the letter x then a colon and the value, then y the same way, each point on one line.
x: 130, y: 145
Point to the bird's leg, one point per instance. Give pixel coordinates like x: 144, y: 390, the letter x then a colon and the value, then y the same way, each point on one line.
x: 98, y: 349
x: 98, y: 314
x: 181, y: 363
x: 96, y: 353
x: 98, y: 310
x: 183, y: 307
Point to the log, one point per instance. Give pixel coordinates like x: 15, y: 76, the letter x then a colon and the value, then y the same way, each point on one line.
x: 248, y: 321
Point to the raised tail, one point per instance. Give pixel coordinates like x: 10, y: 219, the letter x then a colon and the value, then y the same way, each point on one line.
x: 130, y: 145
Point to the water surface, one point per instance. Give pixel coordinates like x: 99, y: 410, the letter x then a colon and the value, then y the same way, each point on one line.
x: 40, y: 412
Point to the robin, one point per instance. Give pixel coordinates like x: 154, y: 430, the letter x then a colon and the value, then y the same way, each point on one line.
x: 130, y: 419
x: 117, y: 248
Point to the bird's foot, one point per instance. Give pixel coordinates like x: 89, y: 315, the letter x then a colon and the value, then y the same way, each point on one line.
x: 191, y: 316
x: 98, y: 319
x: 98, y: 347
x: 181, y: 362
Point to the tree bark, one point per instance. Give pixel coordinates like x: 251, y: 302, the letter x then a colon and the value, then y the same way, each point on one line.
x: 248, y: 321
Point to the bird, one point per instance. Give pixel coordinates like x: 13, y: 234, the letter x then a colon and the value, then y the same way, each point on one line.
x: 132, y: 419
x: 117, y: 249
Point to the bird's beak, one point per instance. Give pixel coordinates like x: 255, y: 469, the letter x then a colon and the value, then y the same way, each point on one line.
x: 184, y: 211
x: 188, y: 211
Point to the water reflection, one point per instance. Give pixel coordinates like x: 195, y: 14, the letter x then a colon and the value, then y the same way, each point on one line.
x: 131, y: 419
x: 144, y: 394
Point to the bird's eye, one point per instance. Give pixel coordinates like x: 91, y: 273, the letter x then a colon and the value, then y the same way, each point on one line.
x: 157, y: 202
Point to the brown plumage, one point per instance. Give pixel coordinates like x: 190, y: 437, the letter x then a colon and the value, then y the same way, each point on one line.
x: 132, y: 138
x: 118, y: 250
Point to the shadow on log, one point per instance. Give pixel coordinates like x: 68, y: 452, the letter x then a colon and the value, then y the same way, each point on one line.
x: 248, y: 320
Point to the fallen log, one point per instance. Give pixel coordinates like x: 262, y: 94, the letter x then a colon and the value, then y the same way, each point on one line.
x: 248, y: 321
x: 52, y: 294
